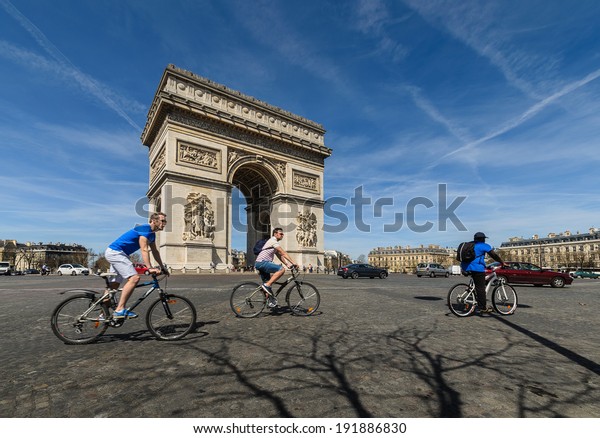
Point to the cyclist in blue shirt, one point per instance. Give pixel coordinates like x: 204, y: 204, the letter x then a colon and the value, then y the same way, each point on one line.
x: 476, y: 269
x: 117, y: 254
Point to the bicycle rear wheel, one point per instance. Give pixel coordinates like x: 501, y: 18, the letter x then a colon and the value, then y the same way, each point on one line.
x: 172, y: 318
x: 504, y: 299
x: 247, y: 300
x: 461, y: 300
x: 71, y: 327
x: 303, y: 299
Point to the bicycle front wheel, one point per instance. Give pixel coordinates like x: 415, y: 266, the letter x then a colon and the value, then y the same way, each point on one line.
x: 171, y: 318
x: 303, y: 299
x: 247, y: 300
x: 504, y: 299
x: 461, y: 300
x: 71, y: 327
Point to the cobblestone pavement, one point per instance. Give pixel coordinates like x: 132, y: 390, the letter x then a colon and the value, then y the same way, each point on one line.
x: 376, y: 348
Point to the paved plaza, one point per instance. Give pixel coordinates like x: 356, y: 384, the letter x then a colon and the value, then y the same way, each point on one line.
x: 376, y: 348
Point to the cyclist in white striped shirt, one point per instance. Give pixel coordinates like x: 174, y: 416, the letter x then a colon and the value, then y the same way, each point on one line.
x: 270, y: 272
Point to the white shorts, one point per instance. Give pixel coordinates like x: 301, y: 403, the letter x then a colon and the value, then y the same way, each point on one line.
x: 120, y: 265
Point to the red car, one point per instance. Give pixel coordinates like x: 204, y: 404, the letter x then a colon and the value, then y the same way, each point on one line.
x: 140, y: 268
x: 528, y: 273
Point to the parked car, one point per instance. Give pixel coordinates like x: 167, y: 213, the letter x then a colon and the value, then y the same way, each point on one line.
x: 585, y: 274
x: 140, y: 268
x: 5, y: 268
x: 31, y: 271
x: 356, y: 270
x: 528, y: 273
x: 431, y: 270
x: 72, y: 269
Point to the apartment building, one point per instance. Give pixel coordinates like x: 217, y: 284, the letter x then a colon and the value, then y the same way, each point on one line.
x: 33, y: 255
x: 405, y: 259
x: 556, y: 251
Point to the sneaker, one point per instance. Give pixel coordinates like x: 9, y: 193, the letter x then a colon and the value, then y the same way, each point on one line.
x: 271, y: 301
x: 267, y: 289
x: 488, y: 309
x: 124, y: 314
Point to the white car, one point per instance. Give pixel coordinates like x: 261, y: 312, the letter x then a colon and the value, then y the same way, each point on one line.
x: 4, y: 268
x: 72, y: 269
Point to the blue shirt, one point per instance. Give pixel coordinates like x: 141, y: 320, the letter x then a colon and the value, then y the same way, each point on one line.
x: 477, y: 265
x: 130, y: 241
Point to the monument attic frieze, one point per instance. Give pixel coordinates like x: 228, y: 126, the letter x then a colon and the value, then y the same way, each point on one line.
x: 198, y: 94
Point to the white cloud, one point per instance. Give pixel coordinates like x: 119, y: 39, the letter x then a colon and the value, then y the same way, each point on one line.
x: 61, y: 64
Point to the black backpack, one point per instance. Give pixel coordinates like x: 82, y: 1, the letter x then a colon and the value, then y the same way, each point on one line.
x: 465, y: 252
x: 258, y: 246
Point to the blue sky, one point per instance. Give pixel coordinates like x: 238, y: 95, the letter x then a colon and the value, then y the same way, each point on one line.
x: 497, y: 100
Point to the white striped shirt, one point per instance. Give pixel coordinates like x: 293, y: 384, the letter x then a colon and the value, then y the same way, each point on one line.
x: 268, y: 252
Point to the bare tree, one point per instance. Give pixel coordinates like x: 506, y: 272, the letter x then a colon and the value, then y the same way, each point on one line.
x: 101, y: 264
x: 26, y: 255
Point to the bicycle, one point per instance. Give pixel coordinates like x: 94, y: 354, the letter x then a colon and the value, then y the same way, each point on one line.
x: 248, y: 299
x: 83, y: 318
x: 462, y: 298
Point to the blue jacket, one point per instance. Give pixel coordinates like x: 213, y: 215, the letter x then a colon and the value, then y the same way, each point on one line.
x: 477, y: 265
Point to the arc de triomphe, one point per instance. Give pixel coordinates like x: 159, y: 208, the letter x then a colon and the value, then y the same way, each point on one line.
x: 204, y: 139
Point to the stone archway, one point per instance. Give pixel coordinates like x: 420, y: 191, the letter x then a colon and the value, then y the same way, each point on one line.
x: 258, y: 184
x: 204, y: 139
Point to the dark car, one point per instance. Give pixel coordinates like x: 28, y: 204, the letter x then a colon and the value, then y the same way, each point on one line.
x: 356, y: 270
x: 528, y: 273
x: 31, y: 271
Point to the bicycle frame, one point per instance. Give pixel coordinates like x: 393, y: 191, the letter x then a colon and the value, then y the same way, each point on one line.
x: 155, y: 286
x: 490, y: 283
x: 109, y: 294
x: 291, y: 278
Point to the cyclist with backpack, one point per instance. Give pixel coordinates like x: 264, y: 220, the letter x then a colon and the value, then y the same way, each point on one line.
x: 270, y: 272
x: 472, y: 258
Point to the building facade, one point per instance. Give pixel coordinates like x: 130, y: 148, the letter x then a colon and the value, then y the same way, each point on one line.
x: 333, y: 259
x: 405, y: 259
x: 238, y: 259
x: 562, y: 251
x: 34, y: 255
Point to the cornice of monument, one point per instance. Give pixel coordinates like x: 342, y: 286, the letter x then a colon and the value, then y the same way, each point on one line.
x: 186, y: 90
x: 248, y: 135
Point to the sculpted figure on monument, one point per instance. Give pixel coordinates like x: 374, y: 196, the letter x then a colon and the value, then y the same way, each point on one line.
x: 306, y: 233
x: 199, y: 218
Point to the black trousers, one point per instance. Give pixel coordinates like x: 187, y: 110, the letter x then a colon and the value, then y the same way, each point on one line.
x: 479, y: 280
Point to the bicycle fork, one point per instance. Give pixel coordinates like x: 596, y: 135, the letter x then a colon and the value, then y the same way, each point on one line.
x: 165, y: 303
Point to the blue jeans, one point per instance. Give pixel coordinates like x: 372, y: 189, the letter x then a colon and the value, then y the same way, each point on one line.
x: 265, y: 269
